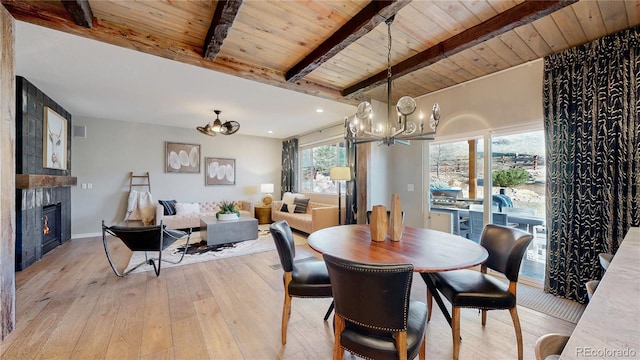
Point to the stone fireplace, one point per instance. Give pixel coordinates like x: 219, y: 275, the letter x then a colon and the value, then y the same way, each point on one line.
x: 43, y: 195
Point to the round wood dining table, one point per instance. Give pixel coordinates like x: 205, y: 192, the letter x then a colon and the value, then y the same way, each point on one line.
x: 427, y: 250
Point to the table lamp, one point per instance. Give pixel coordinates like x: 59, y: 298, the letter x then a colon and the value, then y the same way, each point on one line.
x: 266, y: 189
x: 340, y: 173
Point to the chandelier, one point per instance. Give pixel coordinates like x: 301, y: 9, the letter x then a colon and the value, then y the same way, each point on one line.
x: 218, y: 127
x: 398, y: 128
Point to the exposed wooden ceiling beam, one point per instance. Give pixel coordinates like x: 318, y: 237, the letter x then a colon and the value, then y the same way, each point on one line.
x: 55, y: 18
x: 358, y: 26
x: 223, y: 18
x: 80, y: 12
x: 521, y: 14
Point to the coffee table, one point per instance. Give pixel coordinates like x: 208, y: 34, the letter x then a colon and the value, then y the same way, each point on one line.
x: 216, y: 232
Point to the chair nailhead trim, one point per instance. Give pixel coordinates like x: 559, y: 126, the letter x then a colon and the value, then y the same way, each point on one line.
x: 356, y: 354
x: 406, y: 296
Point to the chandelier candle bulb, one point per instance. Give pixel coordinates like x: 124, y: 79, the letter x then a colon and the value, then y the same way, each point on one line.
x: 396, y: 226
x: 378, y: 225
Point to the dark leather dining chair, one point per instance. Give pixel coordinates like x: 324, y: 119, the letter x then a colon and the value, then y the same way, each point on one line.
x: 388, y: 216
x: 308, y: 279
x: 479, y: 290
x: 375, y: 319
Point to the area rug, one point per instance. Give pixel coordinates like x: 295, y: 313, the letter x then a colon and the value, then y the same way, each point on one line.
x: 199, y: 254
x: 538, y: 300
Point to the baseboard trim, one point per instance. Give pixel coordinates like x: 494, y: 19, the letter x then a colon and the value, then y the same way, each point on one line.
x: 83, y: 236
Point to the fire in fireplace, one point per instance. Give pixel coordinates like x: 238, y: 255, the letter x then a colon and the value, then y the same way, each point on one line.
x: 51, y: 236
x: 46, y: 229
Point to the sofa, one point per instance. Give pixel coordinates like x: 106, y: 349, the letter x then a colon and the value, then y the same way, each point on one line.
x: 317, y: 216
x: 187, y: 215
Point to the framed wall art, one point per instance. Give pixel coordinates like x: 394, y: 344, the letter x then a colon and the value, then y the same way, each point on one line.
x: 54, y: 140
x: 182, y: 158
x: 219, y: 171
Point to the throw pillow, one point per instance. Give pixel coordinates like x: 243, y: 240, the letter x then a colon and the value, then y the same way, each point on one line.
x: 187, y: 208
x: 169, y: 206
x: 287, y: 208
x: 301, y: 205
x: 288, y: 198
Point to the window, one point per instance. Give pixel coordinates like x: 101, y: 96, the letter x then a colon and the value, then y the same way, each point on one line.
x: 518, y: 192
x: 315, y: 162
x: 524, y: 153
x: 450, y: 168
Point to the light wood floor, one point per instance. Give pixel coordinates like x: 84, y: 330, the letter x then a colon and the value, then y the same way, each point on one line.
x: 70, y: 305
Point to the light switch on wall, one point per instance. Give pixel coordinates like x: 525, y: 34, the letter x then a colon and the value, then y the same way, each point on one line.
x: 410, y: 187
x: 83, y: 186
x: 89, y: 186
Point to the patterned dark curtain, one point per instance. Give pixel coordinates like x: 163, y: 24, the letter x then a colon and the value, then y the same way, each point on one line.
x: 351, y: 200
x: 289, y: 165
x: 592, y: 129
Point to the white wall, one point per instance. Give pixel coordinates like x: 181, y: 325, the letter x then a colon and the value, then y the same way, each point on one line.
x: 114, y: 148
x: 507, y: 99
x: 378, y: 181
x: 504, y: 99
x: 407, y: 168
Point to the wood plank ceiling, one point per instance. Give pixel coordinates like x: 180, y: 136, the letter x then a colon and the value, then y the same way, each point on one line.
x: 338, y: 49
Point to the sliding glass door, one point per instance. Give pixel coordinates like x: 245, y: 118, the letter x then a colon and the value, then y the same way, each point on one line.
x: 518, y: 174
x: 516, y: 197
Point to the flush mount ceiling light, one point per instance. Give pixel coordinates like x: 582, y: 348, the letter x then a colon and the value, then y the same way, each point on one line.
x: 218, y: 127
x: 397, y: 128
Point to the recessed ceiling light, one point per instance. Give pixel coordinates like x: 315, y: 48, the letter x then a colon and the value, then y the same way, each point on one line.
x: 270, y: 132
x: 319, y: 110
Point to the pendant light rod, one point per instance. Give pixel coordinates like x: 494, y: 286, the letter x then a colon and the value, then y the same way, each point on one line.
x: 397, y: 128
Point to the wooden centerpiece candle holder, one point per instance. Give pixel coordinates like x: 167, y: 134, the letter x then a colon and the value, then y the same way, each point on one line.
x: 378, y: 225
x: 396, y: 226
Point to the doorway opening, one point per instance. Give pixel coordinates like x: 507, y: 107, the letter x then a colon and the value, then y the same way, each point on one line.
x: 517, y: 195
